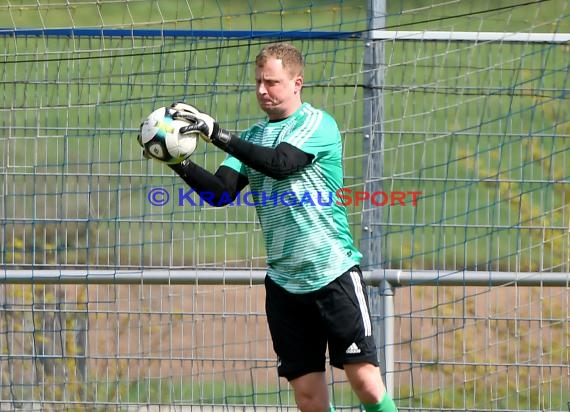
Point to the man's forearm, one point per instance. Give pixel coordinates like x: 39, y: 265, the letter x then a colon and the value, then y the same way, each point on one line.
x: 278, y: 162
x: 216, y: 189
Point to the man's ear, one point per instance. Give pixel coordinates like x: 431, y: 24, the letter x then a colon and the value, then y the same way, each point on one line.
x: 298, y: 84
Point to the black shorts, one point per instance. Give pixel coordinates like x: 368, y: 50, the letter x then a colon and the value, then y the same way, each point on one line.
x: 302, y: 325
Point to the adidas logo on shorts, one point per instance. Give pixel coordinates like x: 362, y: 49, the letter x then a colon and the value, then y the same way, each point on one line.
x: 353, y: 349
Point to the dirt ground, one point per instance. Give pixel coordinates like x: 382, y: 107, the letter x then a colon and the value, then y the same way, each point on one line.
x: 501, y: 338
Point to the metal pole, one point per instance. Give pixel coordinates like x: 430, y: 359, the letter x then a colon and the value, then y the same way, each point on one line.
x: 222, y: 276
x: 399, y: 278
x: 371, y: 243
x: 387, y: 363
x: 373, y: 139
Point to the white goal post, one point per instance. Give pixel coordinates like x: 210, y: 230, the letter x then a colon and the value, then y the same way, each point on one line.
x: 470, y: 36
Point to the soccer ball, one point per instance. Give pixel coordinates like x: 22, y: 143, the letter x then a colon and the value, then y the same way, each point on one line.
x: 160, y: 136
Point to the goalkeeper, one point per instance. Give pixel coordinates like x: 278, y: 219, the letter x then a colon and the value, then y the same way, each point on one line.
x: 315, y: 293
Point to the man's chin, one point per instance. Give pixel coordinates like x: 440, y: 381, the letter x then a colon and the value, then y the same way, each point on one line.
x: 269, y: 108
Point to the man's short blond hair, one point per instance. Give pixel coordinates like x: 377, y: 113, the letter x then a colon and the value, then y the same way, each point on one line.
x: 289, y: 55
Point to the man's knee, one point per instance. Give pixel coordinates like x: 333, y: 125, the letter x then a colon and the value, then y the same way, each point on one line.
x: 311, y: 392
x: 366, y: 381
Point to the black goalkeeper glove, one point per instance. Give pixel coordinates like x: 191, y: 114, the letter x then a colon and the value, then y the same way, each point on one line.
x: 200, y: 122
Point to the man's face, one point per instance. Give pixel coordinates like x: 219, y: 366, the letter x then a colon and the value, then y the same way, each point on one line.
x: 278, y: 94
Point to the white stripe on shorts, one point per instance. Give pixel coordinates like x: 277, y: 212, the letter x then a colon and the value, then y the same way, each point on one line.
x: 362, y: 303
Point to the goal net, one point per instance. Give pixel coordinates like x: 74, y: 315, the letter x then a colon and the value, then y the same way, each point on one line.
x: 122, y: 289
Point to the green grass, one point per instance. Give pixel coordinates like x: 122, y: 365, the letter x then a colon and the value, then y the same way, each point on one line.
x: 460, y: 122
x: 156, y: 391
x: 165, y: 391
x: 199, y: 393
x: 507, y: 398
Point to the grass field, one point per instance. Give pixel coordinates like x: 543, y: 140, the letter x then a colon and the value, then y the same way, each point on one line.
x: 482, y: 130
